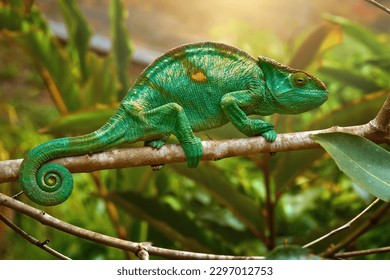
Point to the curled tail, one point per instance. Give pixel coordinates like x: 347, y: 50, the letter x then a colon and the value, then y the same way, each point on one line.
x: 51, y: 184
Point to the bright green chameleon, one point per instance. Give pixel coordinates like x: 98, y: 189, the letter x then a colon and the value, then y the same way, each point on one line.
x: 190, y: 88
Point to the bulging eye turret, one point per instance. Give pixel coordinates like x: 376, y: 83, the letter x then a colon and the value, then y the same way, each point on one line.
x: 299, y: 79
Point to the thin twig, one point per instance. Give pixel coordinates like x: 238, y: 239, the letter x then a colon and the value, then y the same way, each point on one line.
x: 46, y: 219
x: 32, y: 240
x: 367, y: 225
x: 379, y: 5
x: 17, y: 195
x: 347, y: 225
x: 362, y: 252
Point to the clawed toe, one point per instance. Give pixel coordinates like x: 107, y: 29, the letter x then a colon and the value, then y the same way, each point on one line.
x: 193, y: 152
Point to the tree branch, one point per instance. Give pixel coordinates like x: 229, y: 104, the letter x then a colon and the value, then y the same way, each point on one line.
x: 347, y: 225
x: 140, y: 249
x: 377, y: 130
x: 362, y: 252
x: 379, y: 5
x: 32, y: 240
x: 364, y: 227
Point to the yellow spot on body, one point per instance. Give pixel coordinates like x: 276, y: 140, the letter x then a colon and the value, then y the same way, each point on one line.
x: 198, y: 77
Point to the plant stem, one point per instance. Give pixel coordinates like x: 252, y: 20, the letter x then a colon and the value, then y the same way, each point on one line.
x: 32, y: 240
x: 362, y: 252
x: 347, y: 225
x: 374, y: 219
x: 379, y: 5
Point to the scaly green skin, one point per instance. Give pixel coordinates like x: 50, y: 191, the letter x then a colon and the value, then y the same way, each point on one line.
x: 191, y: 88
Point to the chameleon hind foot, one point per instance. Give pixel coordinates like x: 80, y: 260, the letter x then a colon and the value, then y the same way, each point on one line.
x: 157, y: 144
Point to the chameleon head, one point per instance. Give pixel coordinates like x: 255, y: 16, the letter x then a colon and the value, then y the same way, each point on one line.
x: 294, y: 91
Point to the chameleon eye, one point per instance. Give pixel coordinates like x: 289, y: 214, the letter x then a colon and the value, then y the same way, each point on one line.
x: 299, y: 79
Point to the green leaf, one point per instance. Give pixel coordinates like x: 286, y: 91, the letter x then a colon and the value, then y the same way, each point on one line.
x: 382, y: 62
x: 291, y: 252
x: 79, y: 33
x: 121, y: 46
x: 348, y: 76
x: 363, y: 161
x: 361, y: 34
x: 323, y: 37
x: 79, y: 122
x: 102, y: 84
x: 33, y: 34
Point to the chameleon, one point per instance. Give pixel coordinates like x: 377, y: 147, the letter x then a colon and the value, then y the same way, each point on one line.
x: 190, y: 88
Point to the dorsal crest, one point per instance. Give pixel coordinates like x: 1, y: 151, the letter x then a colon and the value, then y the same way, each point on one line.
x: 269, y: 61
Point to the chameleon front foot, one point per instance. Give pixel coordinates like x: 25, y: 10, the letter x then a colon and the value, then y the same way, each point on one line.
x: 193, y: 151
x: 255, y: 127
x: 270, y: 135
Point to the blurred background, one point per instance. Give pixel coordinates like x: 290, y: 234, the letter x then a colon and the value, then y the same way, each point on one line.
x: 156, y: 26
x: 65, y: 66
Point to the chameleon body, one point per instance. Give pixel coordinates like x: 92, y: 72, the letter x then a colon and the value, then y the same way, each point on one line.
x: 190, y: 88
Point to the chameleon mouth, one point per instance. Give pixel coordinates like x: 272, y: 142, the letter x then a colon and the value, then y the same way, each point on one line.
x: 290, y: 103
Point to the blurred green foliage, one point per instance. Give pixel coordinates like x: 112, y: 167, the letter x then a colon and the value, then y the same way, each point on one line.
x: 242, y: 206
